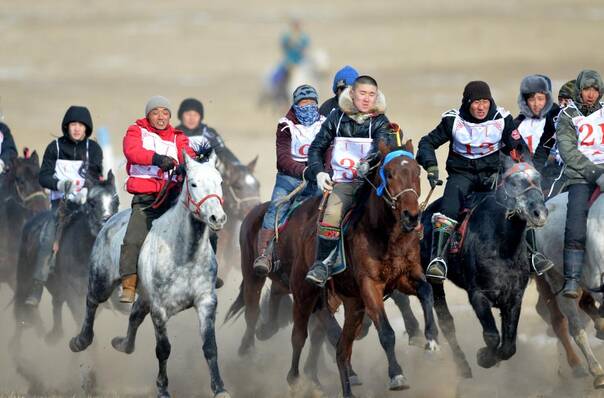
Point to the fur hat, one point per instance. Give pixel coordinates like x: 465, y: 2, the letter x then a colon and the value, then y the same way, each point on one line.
x: 347, y: 106
x: 535, y: 84
x: 157, y: 101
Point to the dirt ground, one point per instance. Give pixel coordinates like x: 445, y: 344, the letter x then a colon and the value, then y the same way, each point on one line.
x: 113, y: 55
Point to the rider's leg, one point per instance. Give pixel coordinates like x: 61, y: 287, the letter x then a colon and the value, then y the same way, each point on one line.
x: 43, y: 259
x: 457, y: 188
x: 539, y: 262
x: 338, y: 203
x: 575, y: 235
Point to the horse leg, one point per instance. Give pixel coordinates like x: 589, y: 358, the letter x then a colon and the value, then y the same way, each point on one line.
x: 206, y: 311
x: 411, y: 324
x: 588, y: 305
x: 372, y: 295
x: 303, y: 307
x: 252, y: 290
x: 510, y: 316
x: 271, y: 326
x: 426, y: 298
x: 353, y: 318
x: 317, y: 338
x: 139, y: 311
x: 57, y: 317
x: 486, y: 357
x: 162, y: 352
x: 447, y: 325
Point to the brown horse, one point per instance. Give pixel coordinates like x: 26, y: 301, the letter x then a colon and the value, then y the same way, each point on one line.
x: 383, y: 254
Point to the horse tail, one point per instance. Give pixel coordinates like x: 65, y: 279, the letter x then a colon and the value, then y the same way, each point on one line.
x: 237, y: 307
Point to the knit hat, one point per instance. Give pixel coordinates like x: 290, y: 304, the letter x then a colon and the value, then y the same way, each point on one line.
x: 476, y: 90
x: 77, y: 114
x: 344, y: 77
x: 567, y: 90
x: 157, y: 101
x: 305, y: 91
x: 190, y: 104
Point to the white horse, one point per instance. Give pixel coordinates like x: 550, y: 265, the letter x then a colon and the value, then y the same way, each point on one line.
x: 551, y: 239
x: 176, y: 267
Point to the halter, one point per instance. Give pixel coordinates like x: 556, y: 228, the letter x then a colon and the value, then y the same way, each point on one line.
x: 517, y: 169
x: 197, y: 205
x: 239, y: 200
x: 383, y: 188
x: 31, y: 196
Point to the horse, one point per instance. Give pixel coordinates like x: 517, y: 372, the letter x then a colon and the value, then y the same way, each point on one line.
x: 241, y: 194
x: 381, y: 248
x: 177, y: 270
x: 22, y: 197
x: 492, y: 265
x: 551, y: 240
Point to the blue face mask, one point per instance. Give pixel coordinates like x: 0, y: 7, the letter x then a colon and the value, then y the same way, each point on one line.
x: 307, y: 114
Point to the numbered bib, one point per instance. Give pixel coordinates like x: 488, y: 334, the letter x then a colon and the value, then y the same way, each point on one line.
x: 590, y: 135
x: 347, y: 152
x: 476, y: 140
x: 531, y: 131
x: 68, y: 170
x: 302, y: 137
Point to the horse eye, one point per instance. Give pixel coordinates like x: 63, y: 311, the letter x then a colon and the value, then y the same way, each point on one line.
x: 194, y: 185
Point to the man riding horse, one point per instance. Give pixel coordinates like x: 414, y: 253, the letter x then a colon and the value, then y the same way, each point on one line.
x: 152, y: 148
x: 354, y: 130
x: 68, y: 162
x: 580, y: 140
x: 477, y: 132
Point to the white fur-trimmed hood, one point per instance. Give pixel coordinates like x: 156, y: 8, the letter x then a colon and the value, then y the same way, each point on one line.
x: 346, y: 105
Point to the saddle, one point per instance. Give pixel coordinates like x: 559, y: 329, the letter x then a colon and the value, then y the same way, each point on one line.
x: 470, y: 204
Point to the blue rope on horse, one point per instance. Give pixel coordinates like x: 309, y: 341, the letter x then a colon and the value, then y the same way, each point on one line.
x: 394, y: 154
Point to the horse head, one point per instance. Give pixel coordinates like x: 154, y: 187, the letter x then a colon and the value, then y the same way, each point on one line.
x: 519, y: 191
x: 398, y: 183
x: 23, y: 175
x: 102, y: 202
x: 242, y: 188
x: 202, y: 194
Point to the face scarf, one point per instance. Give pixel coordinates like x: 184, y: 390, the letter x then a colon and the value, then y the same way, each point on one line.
x: 307, y: 114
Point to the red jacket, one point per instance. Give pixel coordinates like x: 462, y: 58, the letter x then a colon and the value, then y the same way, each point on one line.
x: 139, y: 155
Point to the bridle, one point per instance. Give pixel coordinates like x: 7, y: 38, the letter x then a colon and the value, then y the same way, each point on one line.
x: 197, y: 204
x: 26, y: 199
x: 516, y: 169
x: 239, y: 201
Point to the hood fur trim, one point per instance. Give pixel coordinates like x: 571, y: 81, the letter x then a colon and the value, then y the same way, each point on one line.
x: 535, y: 84
x: 346, y: 105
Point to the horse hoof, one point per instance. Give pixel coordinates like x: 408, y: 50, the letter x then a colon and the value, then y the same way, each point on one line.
x: 292, y: 379
x: 397, y: 383
x: 222, y: 394
x: 486, y: 358
x: 53, y: 337
x: 78, y: 344
x: 121, y: 345
x: 579, y: 372
x: 164, y: 394
x: 266, y: 331
x: 417, y: 340
x: 355, y: 380
x: 431, y: 346
x: 599, y: 382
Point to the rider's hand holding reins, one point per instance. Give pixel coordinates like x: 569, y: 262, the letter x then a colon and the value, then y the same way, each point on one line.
x: 66, y: 186
x: 433, y: 176
x: 363, y: 168
x: 324, y: 182
x: 164, y: 162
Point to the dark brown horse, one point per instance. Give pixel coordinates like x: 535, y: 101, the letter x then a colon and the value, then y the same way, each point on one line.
x: 383, y: 254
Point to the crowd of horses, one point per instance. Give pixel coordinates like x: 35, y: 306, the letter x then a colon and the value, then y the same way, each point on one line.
x: 385, y: 246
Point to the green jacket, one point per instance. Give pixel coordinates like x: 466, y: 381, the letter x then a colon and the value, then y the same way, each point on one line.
x: 579, y: 169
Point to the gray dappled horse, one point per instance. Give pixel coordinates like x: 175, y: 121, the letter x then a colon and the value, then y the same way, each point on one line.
x: 176, y: 267
x: 21, y: 196
x: 551, y: 240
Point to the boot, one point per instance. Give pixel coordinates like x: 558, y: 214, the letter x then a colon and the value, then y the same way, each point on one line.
x: 573, y: 262
x: 443, y: 228
x: 128, y: 288
x: 540, y: 264
x: 37, y: 288
x: 262, y: 264
x: 319, y: 272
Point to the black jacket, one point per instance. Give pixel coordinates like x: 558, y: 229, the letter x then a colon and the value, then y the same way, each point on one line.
x: 215, y: 140
x: 8, y: 152
x: 456, y: 163
x: 70, y: 150
x: 348, y: 128
x: 328, y: 106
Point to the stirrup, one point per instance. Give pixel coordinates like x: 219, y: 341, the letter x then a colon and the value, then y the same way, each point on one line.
x: 262, y: 265
x: 439, y: 264
x: 537, y: 257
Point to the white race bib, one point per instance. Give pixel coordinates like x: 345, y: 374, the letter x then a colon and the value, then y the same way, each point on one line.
x: 68, y: 170
x: 531, y: 131
x: 476, y: 140
x: 302, y: 137
x: 590, y: 135
x: 347, y: 152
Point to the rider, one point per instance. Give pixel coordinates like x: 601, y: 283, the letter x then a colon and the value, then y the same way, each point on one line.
x: 354, y: 129
x: 152, y: 148
x: 68, y: 161
x: 342, y: 79
x: 579, y: 137
x: 8, y: 150
x: 294, y: 44
x: 190, y: 115
x: 477, y: 132
x: 295, y: 133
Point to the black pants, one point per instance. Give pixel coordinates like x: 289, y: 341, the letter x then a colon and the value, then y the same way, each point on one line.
x: 575, y: 232
x: 139, y: 226
x: 458, y: 187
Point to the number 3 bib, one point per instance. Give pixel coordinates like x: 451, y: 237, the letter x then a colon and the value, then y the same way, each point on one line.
x: 347, y: 152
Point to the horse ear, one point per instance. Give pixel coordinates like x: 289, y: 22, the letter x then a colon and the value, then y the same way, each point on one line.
x: 212, y: 158
x: 252, y: 165
x: 33, y: 157
x: 409, y: 146
x: 110, y: 177
x: 187, y: 158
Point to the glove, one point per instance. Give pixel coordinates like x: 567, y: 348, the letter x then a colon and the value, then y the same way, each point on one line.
x: 600, y: 182
x: 432, y: 175
x: 79, y: 197
x: 164, y: 162
x: 363, y: 168
x: 324, y: 181
x: 66, y: 186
